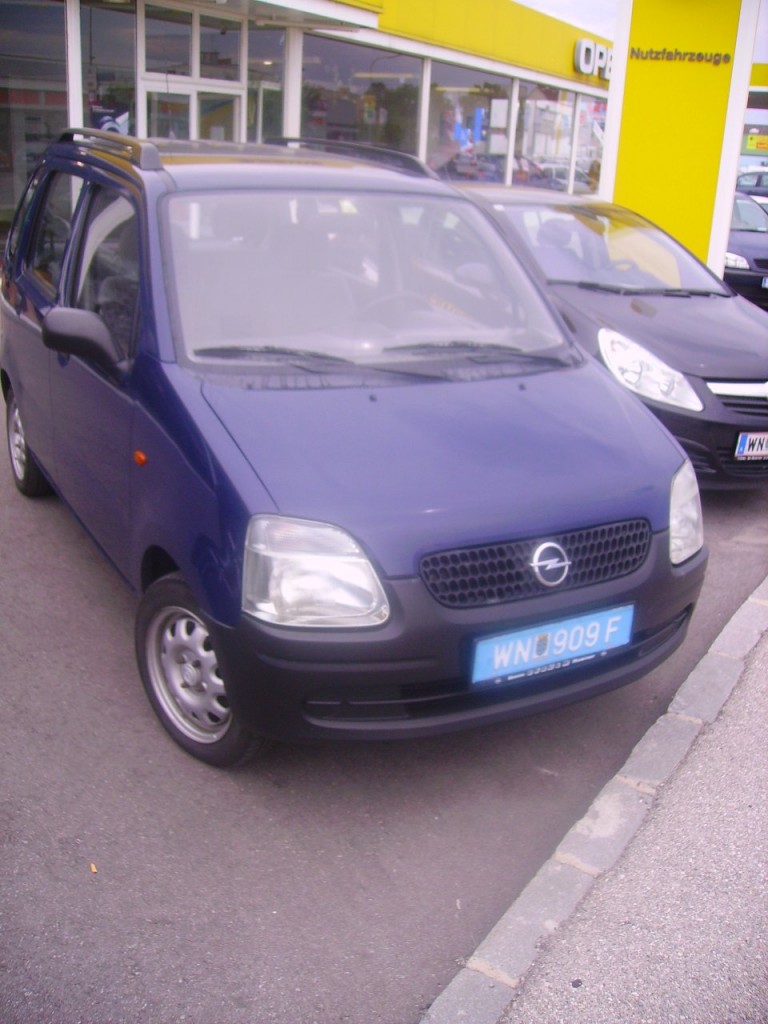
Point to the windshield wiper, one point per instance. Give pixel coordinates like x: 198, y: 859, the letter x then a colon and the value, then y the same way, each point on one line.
x: 683, y: 293
x: 599, y: 286
x: 311, y: 361
x: 235, y: 351
x: 481, y: 350
x: 622, y: 289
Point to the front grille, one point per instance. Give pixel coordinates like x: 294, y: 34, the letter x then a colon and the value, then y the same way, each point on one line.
x: 746, y: 406
x: 761, y: 264
x: 495, y: 573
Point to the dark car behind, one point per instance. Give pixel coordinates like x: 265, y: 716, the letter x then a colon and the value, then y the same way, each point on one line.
x: 667, y: 327
x: 746, y: 261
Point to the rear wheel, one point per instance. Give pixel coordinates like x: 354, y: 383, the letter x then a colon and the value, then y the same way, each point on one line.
x: 180, y: 672
x: 27, y: 475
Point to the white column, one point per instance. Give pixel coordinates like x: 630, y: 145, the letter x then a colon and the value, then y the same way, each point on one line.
x: 294, y: 50
x: 75, y: 112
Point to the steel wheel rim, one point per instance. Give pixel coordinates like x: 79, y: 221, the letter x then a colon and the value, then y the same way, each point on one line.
x: 184, y: 674
x: 17, y: 444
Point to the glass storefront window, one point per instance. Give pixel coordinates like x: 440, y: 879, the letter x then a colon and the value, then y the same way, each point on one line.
x: 168, y: 41
x: 168, y: 115
x: 33, y: 92
x: 468, y: 118
x: 220, y: 48
x: 108, y: 41
x: 544, y: 132
x: 266, y: 63
x: 359, y: 93
x: 216, y: 115
x: 589, y: 143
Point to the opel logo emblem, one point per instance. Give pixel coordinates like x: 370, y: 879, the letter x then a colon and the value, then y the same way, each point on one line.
x: 550, y: 564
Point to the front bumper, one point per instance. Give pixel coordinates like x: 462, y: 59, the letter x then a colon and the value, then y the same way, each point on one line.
x: 749, y: 283
x: 411, y: 677
x: 709, y: 438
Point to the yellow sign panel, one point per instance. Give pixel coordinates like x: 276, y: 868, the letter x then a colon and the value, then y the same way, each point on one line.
x: 499, y: 30
x: 676, y: 95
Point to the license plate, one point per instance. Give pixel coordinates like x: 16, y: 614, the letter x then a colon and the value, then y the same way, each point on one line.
x: 765, y: 282
x: 752, y: 446
x: 551, y: 647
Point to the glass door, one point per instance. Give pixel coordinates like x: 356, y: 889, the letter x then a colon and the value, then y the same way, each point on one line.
x: 217, y: 116
x: 168, y: 115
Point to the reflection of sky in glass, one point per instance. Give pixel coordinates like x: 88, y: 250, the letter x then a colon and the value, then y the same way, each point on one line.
x: 108, y: 37
x: 169, y: 41
x: 219, y: 48
x: 41, y: 53
x: 330, y: 63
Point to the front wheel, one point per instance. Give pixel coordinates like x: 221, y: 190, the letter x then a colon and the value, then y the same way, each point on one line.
x: 27, y: 475
x: 180, y: 672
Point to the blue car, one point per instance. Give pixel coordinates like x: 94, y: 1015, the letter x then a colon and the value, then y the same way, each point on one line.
x: 320, y: 419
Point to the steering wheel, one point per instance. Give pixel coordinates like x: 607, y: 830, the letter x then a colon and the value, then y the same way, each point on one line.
x: 394, y: 302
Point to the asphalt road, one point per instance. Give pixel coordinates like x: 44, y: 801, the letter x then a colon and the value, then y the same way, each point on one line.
x: 320, y: 885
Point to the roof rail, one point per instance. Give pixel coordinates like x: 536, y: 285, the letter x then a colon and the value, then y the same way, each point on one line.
x: 142, y: 154
x: 362, y: 150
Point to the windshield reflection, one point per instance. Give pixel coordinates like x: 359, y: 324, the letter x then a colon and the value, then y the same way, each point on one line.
x: 353, y: 277
x: 607, y: 247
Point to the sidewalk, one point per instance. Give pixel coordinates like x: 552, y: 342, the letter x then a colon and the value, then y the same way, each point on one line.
x: 654, y: 908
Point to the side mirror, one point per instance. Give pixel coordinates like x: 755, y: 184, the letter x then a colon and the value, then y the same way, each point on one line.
x: 79, y: 332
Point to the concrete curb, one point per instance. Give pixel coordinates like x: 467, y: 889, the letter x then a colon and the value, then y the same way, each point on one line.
x: 486, y: 985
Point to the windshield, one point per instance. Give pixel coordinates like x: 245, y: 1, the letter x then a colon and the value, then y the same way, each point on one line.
x: 748, y: 215
x: 607, y: 247
x: 389, y: 283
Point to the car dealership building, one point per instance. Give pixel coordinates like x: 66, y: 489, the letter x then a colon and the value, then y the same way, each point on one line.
x: 488, y: 90
x: 483, y: 90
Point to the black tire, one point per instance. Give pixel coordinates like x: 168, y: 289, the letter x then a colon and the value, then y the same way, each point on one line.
x: 180, y: 672
x: 27, y: 475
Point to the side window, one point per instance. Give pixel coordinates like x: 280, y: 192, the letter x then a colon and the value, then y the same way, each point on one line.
x: 108, y: 273
x: 53, y: 229
x: 12, y: 244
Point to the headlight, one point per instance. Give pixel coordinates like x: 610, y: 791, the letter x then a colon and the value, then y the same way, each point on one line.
x: 644, y: 373
x: 299, y: 573
x: 735, y: 262
x: 686, y: 527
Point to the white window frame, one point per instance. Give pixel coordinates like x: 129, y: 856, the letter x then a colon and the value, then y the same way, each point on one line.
x: 194, y: 84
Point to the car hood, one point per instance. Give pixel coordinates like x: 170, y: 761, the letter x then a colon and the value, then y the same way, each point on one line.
x: 425, y: 467
x: 704, y: 336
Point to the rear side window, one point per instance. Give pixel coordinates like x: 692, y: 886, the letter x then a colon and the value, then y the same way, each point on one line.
x: 108, y: 272
x: 53, y: 229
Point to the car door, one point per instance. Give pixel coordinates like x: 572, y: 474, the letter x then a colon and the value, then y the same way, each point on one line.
x: 92, y: 405
x: 31, y: 287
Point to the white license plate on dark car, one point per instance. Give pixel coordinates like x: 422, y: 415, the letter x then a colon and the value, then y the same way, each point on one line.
x: 752, y: 446
x: 552, y: 646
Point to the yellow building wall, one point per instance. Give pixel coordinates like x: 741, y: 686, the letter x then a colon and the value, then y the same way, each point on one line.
x: 674, y: 113
x: 496, y: 29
